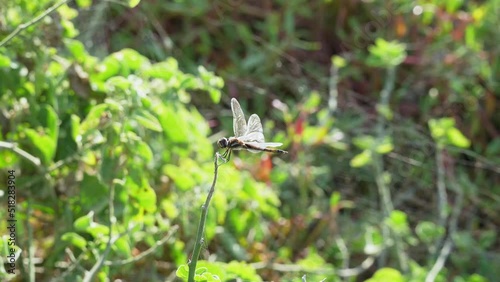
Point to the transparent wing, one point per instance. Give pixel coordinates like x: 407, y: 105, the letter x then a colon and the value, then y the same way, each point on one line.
x: 264, y: 145
x: 239, y: 122
x: 254, y: 131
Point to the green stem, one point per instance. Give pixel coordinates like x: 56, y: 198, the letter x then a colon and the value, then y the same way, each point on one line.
x: 201, y: 225
x: 383, y: 188
x: 32, y: 22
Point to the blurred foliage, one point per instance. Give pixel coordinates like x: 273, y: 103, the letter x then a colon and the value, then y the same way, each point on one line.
x: 389, y: 111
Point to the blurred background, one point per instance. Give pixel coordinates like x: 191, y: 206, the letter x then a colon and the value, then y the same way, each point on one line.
x: 110, y: 113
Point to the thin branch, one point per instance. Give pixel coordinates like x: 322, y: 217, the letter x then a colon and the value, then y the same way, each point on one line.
x: 147, y: 252
x: 448, y: 244
x: 201, y: 225
x: 343, y: 272
x: 24, y: 26
x: 89, y: 275
x: 13, y: 147
x: 383, y: 189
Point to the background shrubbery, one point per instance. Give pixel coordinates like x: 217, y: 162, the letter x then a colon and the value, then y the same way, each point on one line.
x: 389, y: 110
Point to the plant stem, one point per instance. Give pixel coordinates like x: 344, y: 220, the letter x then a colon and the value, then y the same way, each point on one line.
x: 383, y: 188
x: 201, y: 225
x: 31, y: 22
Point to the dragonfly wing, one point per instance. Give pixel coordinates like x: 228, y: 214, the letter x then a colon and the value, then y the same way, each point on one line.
x: 254, y: 131
x: 257, y: 137
x: 264, y: 145
x: 239, y: 122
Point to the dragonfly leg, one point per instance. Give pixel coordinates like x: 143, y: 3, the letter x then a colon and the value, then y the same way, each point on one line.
x: 225, y: 155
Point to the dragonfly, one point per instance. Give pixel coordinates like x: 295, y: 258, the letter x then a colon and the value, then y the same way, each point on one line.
x: 249, y: 137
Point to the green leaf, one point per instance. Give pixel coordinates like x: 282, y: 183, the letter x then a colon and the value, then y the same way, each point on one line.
x: 130, y: 59
x: 69, y: 29
x: 133, y: 3
x: 93, y: 118
x: 148, y: 120
x: 143, y: 150
x: 174, y: 121
x: 444, y: 132
x: 109, y: 67
x: 147, y: 199
x: 98, y: 230
x: 75, y: 240
x: 164, y: 70
x: 385, y: 111
x: 83, y: 3
x: 118, y: 83
x: 334, y: 199
x: 44, y: 144
x: 312, y: 262
x: 122, y: 247
x: 487, y: 238
x: 338, y: 61
x: 84, y: 222
x: 364, y: 142
x: 313, y: 101
x: 398, y: 221
x: 361, y: 159
x: 67, y: 13
x: 456, y: 138
x: 386, y: 274
x: 75, y: 129
x: 429, y: 232
x: 200, y: 270
x: 182, y: 271
x: 386, y: 146
x: 4, y: 61
x: 93, y: 193
x: 386, y: 53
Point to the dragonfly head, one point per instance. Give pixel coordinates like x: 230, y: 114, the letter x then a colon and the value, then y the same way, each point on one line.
x: 223, y: 142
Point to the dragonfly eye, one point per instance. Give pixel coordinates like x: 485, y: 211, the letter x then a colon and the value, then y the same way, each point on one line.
x: 222, y: 143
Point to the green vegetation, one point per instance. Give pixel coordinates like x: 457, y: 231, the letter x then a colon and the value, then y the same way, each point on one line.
x: 110, y: 112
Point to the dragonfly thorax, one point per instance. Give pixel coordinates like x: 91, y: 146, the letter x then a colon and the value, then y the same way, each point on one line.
x: 231, y: 142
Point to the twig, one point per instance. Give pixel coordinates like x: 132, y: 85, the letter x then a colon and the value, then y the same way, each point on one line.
x: 343, y: 272
x: 89, y: 275
x: 31, y: 247
x: 147, y: 252
x: 13, y: 147
x: 448, y: 244
x: 24, y: 26
x: 383, y: 189
x: 201, y: 225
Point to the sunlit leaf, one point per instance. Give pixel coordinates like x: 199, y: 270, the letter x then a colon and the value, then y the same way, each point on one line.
x: 133, y: 3
x: 364, y: 141
x: 428, y: 231
x: 148, y: 120
x: 398, y: 221
x: 387, y: 274
x: 147, y: 199
x: 44, y: 143
x: 84, y: 222
x: 361, y: 159
x: 182, y: 271
x: 75, y: 240
x: 83, y: 3
x: 122, y: 246
x: 4, y: 61
x: 143, y: 150
x: 386, y: 53
x: 444, y: 132
x: 456, y: 138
